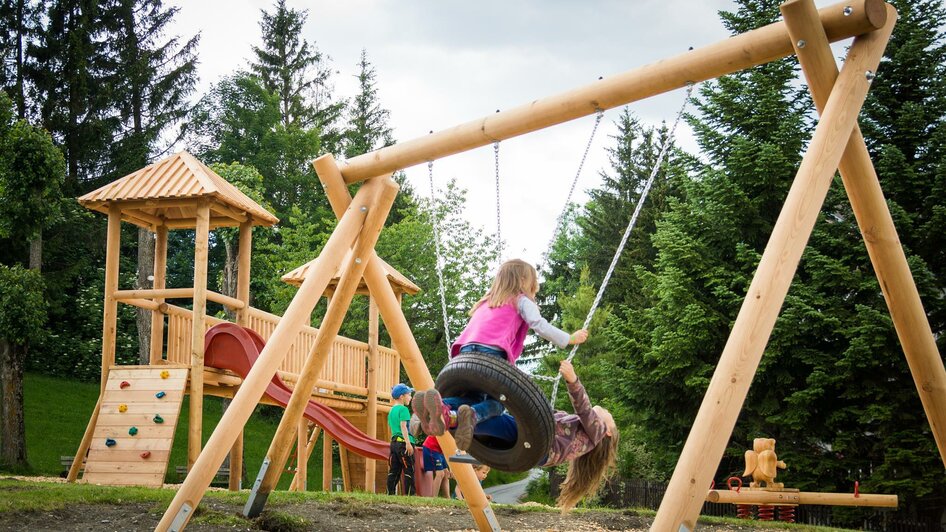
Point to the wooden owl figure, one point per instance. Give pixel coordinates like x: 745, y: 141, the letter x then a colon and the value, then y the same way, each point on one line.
x: 762, y: 464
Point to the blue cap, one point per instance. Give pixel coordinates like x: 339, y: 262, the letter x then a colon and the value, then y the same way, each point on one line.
x: 400, y: 389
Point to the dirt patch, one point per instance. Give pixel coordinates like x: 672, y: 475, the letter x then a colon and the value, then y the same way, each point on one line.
x: 337, y: 515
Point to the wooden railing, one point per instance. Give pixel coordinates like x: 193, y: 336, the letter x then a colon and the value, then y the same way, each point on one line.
x: 345, y: 369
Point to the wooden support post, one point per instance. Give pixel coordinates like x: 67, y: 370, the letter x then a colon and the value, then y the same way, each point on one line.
x: 302, y: 459
x: 343, y: 463
x: 244, y: 254
x: 201, y: 251
x: 403, y: 339
x: 326, y: 462
x: 109, y: 322
x: 372, y: 385
x: 251, y: 391
x: 756, y: 47
x: 876, y: 225
x: 160, y: 274
x: 352, y: 269
x: 740, y: 359
x: 310, y: 446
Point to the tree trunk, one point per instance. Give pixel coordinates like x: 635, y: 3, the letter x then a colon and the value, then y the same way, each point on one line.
x: 12, y: 425
x: 36, y: 253
x: 20, y: 38
x: 144, y: 282
x: 229, y: 275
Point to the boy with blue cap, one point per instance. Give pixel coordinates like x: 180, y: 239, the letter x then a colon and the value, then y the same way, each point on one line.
x: 402, y: 442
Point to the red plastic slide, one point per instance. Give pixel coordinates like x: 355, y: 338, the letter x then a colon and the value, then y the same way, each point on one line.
x: 231, y: 347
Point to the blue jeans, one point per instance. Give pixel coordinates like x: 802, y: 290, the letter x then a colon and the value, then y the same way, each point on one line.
x: 492, y: 419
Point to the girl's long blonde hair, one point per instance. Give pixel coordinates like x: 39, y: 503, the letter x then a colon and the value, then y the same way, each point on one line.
x: 514, y: 277
x: 587, y: 472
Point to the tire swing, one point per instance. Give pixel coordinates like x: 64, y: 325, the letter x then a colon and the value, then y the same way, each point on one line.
x: 518, y: 393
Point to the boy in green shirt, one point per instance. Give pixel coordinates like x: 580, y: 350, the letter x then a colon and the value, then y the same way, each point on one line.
x: 402, y: 443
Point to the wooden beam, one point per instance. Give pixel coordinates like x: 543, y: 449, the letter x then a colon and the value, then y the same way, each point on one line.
x: 801, y: 497
x: 390, y: 308
x: 109, y: 331
x: 251, y: 391
x: 146, y: 304
x: 310, y: 446
x: 372, y: 421
x: 725, y: 57
x: 737, y: 366
x: 201, y: 251
x: 160, y: 278
x: 344, y: 464
x: 302, y: 459
x: 877, y: 228
x: 353, y: 268
x: 244, y: 254
x: 163, y: 293
x: 227, y: 211
x: 326, y: 462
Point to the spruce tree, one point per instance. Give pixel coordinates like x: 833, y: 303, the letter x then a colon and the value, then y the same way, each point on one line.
x: 297, y: 73
x: 153, y: 79
x: 71, y: 68
x: 368, y: 127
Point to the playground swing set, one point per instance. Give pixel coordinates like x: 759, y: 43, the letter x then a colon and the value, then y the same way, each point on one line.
x: 348, y: 265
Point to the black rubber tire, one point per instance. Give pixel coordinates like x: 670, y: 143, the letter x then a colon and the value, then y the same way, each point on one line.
x: 477, y: 372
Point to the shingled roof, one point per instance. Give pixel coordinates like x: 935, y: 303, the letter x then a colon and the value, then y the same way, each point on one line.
x: 167, y: 192
x: 398, y: 281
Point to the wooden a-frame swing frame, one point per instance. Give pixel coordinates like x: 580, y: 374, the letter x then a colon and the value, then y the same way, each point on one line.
x: 837, y: 144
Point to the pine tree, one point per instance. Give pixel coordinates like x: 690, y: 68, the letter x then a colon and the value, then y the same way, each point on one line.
x: 665, y: 348
x: 154, y: 77
x: 70, y: 68
x: 297, y: 73
x: 18, y: 25
x: 368, y: 127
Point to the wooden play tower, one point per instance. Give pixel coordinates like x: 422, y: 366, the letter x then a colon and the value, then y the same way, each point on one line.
x: 181, y: 193
x: 837, y: 144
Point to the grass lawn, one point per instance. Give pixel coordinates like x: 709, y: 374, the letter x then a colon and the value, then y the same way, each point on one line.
x: 58, y: 410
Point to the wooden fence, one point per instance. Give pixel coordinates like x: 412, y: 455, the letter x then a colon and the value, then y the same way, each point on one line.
x: 345, y: 368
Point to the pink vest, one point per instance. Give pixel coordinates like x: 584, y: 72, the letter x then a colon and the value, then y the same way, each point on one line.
x: 502, y: 327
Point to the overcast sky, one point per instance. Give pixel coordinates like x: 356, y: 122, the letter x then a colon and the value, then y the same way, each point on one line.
x: 443, y: 63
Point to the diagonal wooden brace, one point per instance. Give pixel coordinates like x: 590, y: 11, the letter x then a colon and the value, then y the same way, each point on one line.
x: 353, y: 268
x: 740, y: 358
x: 404, y: 342
x: 251, y: 390
x: 876, y: 224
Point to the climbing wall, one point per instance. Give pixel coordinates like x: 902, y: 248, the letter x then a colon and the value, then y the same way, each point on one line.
x: 135, y: 428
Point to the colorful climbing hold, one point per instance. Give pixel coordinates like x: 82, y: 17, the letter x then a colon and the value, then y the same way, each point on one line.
x: 146, y: 454
x: 165, y: 374
x: 110, y: 442
x: 158, y: 418
x: 124, y: 385
x: 160, y: 395
x: 133, y: 431
x: 122, y: 407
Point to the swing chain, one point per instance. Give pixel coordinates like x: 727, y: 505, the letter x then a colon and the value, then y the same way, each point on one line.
x: 599, y: 114
x: 627, y: 232
x: 499, y: 236
x: 439, y: 266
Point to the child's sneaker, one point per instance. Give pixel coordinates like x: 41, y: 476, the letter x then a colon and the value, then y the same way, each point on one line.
x: 414, y: 425
x: 417, y: 405
x: 466, y: 422
x: 434, y: 408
